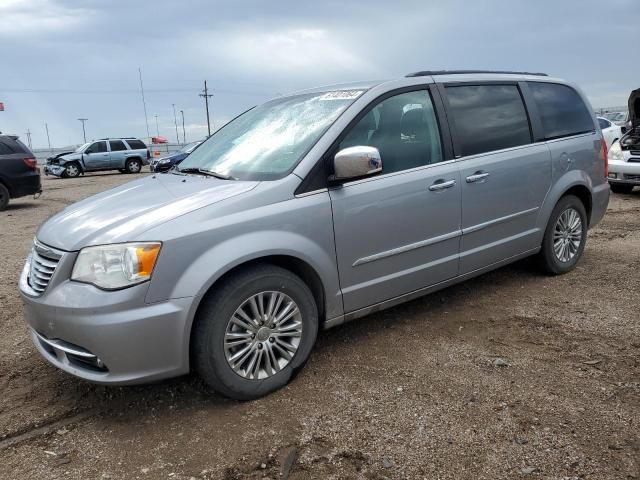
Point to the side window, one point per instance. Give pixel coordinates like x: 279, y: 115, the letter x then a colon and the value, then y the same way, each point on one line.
x: 117, y: 145
x: 488, y: 117
x: 403, y: 128
x: 603, y: 123
x: 97, y: 147
x: 562, y: 111
x: 136, y: 144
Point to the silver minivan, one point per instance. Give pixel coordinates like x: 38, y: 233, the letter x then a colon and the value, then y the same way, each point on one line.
x: 309, y: 211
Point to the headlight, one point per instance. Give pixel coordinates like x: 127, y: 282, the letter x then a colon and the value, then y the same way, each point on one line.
x: 615, y: 152
x: 113, y: 267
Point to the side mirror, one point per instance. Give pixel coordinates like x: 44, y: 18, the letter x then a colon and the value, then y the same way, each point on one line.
x: 359, y: 161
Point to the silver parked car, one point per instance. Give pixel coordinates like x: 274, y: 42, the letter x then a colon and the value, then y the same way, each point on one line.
x: 309, y: 211
x: 127, y: 155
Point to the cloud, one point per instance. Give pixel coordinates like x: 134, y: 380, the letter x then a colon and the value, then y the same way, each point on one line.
x: 64, y: 59
x: 38, y: 18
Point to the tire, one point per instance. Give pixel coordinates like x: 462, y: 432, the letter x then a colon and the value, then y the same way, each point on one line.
x: 72, y: 170
x: 621, y: 187
x: 4, y: 197
x: 122, y: 170
x: 568, y: 211
x: 215, y: 327
x: 133, y: 165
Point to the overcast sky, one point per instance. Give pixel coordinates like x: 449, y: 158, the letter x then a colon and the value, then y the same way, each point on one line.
x: 65, y: 59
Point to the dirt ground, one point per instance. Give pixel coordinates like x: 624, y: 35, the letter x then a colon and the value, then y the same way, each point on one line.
x: 413, y: 392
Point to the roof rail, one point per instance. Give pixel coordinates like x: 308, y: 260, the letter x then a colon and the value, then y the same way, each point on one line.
x: 425, y: 73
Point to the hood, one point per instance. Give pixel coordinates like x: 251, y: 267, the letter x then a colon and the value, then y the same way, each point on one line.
x: 124, y: 213
x: 53, y: 157
x: 634, y: 108
x: 65, y: 157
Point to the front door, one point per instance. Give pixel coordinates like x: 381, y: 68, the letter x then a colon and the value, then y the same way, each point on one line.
x: 505, y: 177
x: 96, y: 156
x: 399, y: 231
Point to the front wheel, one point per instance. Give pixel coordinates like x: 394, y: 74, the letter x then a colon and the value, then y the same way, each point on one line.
x: 565, y: 236
x: 72, y: 170
x: 255, y: 332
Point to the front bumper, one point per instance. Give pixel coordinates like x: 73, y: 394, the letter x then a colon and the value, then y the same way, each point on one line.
x: 621, y: 171
x: 107, y: 337
x: 56, y: 170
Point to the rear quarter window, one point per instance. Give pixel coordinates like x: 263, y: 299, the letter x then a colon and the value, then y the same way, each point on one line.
x: 5, y: 149
x: 562, y: 110
x: 136, y: 144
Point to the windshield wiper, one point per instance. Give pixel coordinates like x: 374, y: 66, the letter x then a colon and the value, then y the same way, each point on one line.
x: 204, y: 171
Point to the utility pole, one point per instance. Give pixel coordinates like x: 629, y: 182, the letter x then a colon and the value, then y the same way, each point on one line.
x: 157, y: 128
x: 48, y: 140
x: 84, y: 133
x: 175, y: 121
x: 28, y: 134
x: 144, y: 105
x: 206, y: 96
x: 184, y: 135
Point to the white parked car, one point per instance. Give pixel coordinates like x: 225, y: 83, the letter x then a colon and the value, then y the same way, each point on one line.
x: 624, y: 156
x: 610, y: 131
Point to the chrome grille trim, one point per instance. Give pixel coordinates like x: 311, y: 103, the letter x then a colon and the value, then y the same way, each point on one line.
x: 44, y: 261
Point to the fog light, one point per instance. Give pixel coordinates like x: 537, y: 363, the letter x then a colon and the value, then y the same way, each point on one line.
x: 613, y: 175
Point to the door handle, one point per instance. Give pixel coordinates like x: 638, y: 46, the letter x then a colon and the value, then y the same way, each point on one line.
x: 440, y: 185
x: 476, y: 177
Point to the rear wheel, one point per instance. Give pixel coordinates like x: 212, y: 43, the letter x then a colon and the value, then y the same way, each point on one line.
x: 4, y: 197
x: 621, y: 187
x: 133, y: 165
x: 565, y: 236
x: 255, y: 332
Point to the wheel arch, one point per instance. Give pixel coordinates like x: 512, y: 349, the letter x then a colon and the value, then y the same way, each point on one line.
x: 294, y: 264
x: 576, y: 183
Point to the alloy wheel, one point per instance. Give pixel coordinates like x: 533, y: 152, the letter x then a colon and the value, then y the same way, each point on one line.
x: 263, y: 335
x: 567, y: 235
x: 72, y: 170
x: 134, y: 167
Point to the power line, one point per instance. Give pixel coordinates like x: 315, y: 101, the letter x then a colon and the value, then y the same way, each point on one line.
x: 144, y: 104
x: 84, y: 133
x: 175, y: 121
x: 206, y: 96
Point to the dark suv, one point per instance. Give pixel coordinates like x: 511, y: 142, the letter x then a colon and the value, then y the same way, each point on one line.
x: 19, y: 174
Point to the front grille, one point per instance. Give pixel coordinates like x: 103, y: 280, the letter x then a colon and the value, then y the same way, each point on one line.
x: 634, y: 159
x: 635, y: 152
x: 44, y: 261
x: 628, y: 176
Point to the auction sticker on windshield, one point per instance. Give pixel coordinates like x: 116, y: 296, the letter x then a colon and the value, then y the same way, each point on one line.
x: 342, y: 95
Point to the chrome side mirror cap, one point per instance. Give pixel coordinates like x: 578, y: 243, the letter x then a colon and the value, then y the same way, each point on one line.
x: 358, y: 161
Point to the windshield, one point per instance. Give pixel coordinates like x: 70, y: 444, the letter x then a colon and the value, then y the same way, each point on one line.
x: 81, y: 148
x: 189, y: 146
x: 266, y: 142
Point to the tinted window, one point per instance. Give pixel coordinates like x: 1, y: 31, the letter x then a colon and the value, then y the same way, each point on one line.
x: 603, y: 123
x: 488, y: 117
x: 5, y: 149
x: 117, y: 146
x: 97, y: 147
x: 561, y: 109
x: 403, y: 128
x: 136, y: 144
